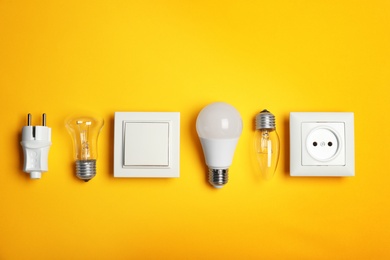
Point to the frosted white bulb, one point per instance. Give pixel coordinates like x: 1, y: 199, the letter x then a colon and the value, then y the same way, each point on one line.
x: 266, y: 143
x: 219, y: 126
x: 85, y: 131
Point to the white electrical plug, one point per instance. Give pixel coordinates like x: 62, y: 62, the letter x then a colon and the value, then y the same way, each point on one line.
x: 36, y: 142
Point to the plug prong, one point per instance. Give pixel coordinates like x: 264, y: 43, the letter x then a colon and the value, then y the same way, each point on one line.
x: 29, y: 119
x: 44, y: 119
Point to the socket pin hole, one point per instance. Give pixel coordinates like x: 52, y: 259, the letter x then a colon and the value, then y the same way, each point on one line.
x: 315, y: 144
x: 330, y: 143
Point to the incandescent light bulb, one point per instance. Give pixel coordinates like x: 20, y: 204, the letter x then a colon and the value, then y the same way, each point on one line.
x: 266, y: 143
x: 219, y: 127
x: 85, y: 131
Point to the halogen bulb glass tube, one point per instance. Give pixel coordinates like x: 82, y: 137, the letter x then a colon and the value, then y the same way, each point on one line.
x: 85, y: 131
x: 219, y: 127
x: 266, y: 143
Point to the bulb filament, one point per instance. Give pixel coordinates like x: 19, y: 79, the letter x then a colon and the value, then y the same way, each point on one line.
x: 84, y: 134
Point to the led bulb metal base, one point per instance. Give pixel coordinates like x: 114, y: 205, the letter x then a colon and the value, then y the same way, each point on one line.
x: 218, y: 177
x: 85, y: 169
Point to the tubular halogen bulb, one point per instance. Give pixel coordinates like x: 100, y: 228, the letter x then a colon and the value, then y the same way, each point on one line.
x: 219, y: 127
x: 266, y: 143
x: 85, y: 131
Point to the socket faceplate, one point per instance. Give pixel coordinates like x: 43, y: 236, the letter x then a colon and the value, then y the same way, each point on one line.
x: 321, y: 144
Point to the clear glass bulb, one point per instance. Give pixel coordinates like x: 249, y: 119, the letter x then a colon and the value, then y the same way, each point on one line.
x: 266, y: 143
x: 85, y: 131
x: 219, y: 126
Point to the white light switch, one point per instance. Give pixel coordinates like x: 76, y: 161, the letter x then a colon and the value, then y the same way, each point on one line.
x: 146, y: 144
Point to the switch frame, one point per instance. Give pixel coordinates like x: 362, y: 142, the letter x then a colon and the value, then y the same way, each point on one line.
x: 172, y: 170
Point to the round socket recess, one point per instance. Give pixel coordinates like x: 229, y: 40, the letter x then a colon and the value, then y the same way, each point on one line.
x: 323, y: 144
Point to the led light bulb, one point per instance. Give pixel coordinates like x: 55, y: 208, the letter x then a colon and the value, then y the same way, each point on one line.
x: 266, y: 143
x: 85, y: 131
x: 219, y: 127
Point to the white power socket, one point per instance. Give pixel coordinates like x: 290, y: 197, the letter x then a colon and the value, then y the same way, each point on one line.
x: 322, y: 144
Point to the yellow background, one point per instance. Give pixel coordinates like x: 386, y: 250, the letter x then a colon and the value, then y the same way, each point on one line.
x: 60, y: 57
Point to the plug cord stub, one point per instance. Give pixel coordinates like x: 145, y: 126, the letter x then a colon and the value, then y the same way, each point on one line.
x: 36, y: 142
